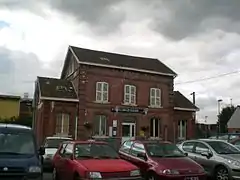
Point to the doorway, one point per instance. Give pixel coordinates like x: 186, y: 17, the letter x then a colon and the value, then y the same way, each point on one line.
x: 128, y: 131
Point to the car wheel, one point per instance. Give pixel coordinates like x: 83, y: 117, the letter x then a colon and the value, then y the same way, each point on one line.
x: 76, y: 177
x: 54, y: 174
x: 221, y: 173
x: 151, y: 176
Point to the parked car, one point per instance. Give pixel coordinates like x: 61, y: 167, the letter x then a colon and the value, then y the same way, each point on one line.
x: 19, y: 156
x: 220, y: 159
x: 91, y: 160
x: 51, y: 145
x: 160, y: 160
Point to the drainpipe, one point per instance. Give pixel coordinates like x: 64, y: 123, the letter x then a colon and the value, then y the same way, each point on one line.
x: 76, y: 129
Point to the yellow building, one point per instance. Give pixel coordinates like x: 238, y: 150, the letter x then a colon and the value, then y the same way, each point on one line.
x: 9, y: 106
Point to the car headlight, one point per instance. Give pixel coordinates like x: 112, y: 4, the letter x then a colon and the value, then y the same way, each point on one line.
x: 35, y: 169
x: 170, y: 171
x: 233, y: 163
x: 95, y: 175
x: 135, y: 173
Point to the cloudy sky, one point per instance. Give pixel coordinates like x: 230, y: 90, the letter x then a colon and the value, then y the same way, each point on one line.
x: 200, y: 40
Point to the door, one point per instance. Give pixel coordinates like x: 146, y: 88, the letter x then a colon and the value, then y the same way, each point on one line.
x: 67, y: 169
x: 128, y: 131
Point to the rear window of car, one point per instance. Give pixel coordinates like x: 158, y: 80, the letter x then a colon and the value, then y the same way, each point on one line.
x: 188, y: 146
x: 54, y: 143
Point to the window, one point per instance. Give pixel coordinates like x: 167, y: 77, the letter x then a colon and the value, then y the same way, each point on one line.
x: 63, y: 146
x: 188, y: 146
x: 222, y: 147
x: 100, y: 125
x: 126, y: 146
x: 137, y: 148
x: 155, y: 97
x: 201, y: 148
x: 130, y: 94
x: 62, y: 124
x: 182, y: 129
x: 154, y: 127
x: 102, y: 92
x: 68, y: 151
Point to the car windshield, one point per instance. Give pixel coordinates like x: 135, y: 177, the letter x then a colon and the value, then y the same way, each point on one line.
x: 95, y: 151
x: 223, y: 147
x: 163, y: 150
x: 17, y: 144
x: 53, y: 143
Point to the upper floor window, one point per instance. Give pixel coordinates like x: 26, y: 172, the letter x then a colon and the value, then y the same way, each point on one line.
x: 130, y: 94
x: 62, y: 124
x: 102, y: 92
x: 155, y: 97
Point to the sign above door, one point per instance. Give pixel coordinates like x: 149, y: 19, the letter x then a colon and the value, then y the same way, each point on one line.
x: 130, y: 110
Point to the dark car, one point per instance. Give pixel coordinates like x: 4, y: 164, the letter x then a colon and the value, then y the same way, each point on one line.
x: 19, y: 156
x: 91, y: 160
x: 161, y: 160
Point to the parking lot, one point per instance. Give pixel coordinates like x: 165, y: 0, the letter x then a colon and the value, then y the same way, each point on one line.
x: 47, y: 176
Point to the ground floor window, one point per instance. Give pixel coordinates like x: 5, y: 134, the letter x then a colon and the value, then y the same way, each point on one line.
x: 182, y: 129
x: 155, y: 127
x: 62, y: 124
x: 100, y: 125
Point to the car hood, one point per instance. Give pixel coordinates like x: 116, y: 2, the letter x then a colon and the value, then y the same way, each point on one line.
x: 107, y: 165
x: 51, y: 151
x: 231, y: 156
x: 179, y: 163
x: 19, y: 162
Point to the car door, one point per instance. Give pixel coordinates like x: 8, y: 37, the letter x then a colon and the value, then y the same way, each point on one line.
x: 140, y: 162
x: 206, y: 162
x: 67, y: 163
x: 187, y: 147
x: 58, y: 160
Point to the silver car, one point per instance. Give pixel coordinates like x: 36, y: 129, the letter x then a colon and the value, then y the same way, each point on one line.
x: 220, y: 159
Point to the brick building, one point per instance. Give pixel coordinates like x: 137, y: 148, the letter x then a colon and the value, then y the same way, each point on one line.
x: 118, y: 95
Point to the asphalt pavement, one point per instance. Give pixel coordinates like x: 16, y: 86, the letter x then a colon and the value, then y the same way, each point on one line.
x: 47, y: 176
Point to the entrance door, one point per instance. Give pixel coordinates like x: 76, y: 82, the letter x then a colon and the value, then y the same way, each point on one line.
x: 128, y: 131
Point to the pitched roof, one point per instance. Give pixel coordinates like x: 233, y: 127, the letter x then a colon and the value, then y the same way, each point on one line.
x: 120, y: 60
x: 56, y: 88
x: 180, y: 101
x: 234, y: 121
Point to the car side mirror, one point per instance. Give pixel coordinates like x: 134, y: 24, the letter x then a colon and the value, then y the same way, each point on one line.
x: 186, y: 154
x: 142, y: 155
x: 206, y: 154
x: 41, y: 151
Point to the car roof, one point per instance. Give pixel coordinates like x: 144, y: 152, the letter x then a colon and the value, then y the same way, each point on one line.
x: 204, y: 140
x: 58, y: 137
x: 14, y: 126
x: 150, y: 141
x: 86, y: 142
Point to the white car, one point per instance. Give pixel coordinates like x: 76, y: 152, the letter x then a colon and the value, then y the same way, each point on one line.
x: 51, y: 145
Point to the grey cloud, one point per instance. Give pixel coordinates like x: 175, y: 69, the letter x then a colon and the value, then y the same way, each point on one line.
x: 19, y: 70
x: 190, y: 17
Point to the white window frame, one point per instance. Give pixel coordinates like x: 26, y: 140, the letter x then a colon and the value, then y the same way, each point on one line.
x: 102, y: 92
x: 62, y: 117
x: 132, y: 96
x: 153, y: 103
x: 154, y: 128
x: 182, y: 134
x: 101, y: 119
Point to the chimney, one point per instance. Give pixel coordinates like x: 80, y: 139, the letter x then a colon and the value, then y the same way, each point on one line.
x: 25, y: 95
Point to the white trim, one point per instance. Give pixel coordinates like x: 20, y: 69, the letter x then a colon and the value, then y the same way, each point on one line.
x: 59, y: 99
x: 185, y: 109
x: 154, y: 120
x: 118, y: 67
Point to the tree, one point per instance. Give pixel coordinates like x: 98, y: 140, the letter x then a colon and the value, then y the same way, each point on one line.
x: 224, y: 117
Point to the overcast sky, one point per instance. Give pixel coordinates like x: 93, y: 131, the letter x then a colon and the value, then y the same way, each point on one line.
x: 198, y: 39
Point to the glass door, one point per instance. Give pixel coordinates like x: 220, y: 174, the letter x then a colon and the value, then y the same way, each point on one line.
x: 128, y: 131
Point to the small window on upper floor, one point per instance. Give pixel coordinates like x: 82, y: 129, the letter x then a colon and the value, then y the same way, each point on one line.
x: 102, y: 92
x: 155, y: 97
x: 130, y: 94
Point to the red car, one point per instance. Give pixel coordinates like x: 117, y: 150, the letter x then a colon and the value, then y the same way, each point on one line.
x: 161, y: 160
x: 77, y: 160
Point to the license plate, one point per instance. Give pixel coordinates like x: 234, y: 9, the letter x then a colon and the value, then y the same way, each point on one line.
x: 191, y: 178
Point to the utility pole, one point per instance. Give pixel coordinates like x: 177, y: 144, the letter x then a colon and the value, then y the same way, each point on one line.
x: 194, y: 113
x: 219, y: 109
x: 231, y: 102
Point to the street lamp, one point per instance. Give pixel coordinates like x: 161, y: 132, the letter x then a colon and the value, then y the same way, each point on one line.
x: 219, y: 109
